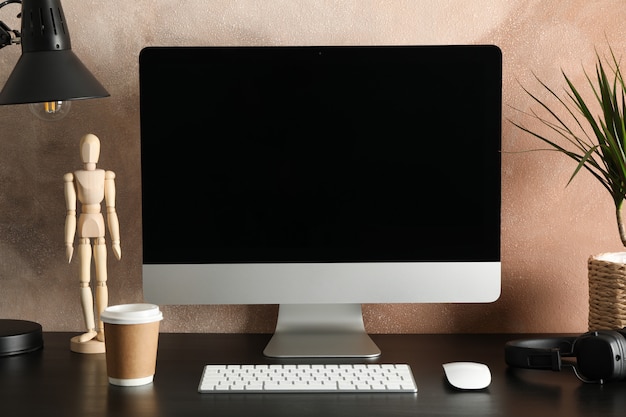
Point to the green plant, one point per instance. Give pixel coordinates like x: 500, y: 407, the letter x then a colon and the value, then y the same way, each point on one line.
x: 601, y: 151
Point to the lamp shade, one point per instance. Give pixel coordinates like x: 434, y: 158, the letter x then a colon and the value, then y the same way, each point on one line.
x: 48, y: 70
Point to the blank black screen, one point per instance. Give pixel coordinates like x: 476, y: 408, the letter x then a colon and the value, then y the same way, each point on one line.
x: 320, y: 154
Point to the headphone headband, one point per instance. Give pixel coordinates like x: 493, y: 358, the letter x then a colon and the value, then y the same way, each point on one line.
x: 538, y: 353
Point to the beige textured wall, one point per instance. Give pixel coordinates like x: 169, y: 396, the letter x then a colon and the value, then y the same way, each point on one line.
x: 548, y: 231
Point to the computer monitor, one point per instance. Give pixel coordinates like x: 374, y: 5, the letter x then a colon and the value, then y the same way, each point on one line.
x: 319, y: 179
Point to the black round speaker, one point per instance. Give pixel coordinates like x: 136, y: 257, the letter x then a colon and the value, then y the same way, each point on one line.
x: 19, y: 336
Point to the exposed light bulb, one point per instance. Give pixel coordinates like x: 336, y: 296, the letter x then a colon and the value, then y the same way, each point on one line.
x: 50, y: 110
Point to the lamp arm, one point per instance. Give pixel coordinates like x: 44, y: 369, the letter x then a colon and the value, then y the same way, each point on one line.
x: 9, y: 36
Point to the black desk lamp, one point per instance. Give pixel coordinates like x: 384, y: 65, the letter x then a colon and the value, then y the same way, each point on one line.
x: 48, y: 72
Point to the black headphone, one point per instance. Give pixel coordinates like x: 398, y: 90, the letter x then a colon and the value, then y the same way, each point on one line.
x: 598, y: 356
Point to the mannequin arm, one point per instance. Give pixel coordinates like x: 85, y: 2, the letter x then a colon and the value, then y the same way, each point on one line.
x: 70, y: 217
x: 112, y: 220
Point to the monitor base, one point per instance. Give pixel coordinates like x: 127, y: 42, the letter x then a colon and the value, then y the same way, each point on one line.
x: 321, y: 331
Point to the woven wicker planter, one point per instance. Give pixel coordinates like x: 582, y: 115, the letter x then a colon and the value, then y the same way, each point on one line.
x: 607, y: 291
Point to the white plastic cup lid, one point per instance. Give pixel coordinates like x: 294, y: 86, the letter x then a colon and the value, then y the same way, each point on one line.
x: 131, y: 314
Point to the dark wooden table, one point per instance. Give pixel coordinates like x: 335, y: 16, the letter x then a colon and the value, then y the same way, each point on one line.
x: 57, y: 382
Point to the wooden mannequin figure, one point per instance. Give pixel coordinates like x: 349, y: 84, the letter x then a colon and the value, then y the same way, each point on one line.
x: 91, y: 186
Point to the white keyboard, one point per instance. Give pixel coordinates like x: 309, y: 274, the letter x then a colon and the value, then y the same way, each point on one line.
x: 314, y: 378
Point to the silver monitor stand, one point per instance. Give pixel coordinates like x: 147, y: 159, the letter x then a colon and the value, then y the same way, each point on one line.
x: 320, y: 331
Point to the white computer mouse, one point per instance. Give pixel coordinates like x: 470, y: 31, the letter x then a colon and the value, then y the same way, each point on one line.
x: 467, y: 375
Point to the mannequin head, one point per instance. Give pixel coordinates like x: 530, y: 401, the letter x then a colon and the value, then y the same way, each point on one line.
x: 90, y: 150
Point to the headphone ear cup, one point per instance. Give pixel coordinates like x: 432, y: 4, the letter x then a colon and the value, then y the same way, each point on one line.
x: 601, y: 355
x: 620, y: 339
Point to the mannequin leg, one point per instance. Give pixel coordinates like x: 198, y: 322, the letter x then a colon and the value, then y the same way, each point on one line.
x: 102, y: 292
x: 86, y: 297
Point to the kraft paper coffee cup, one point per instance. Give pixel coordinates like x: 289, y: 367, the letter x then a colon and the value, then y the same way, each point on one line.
x: 131, y: 339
